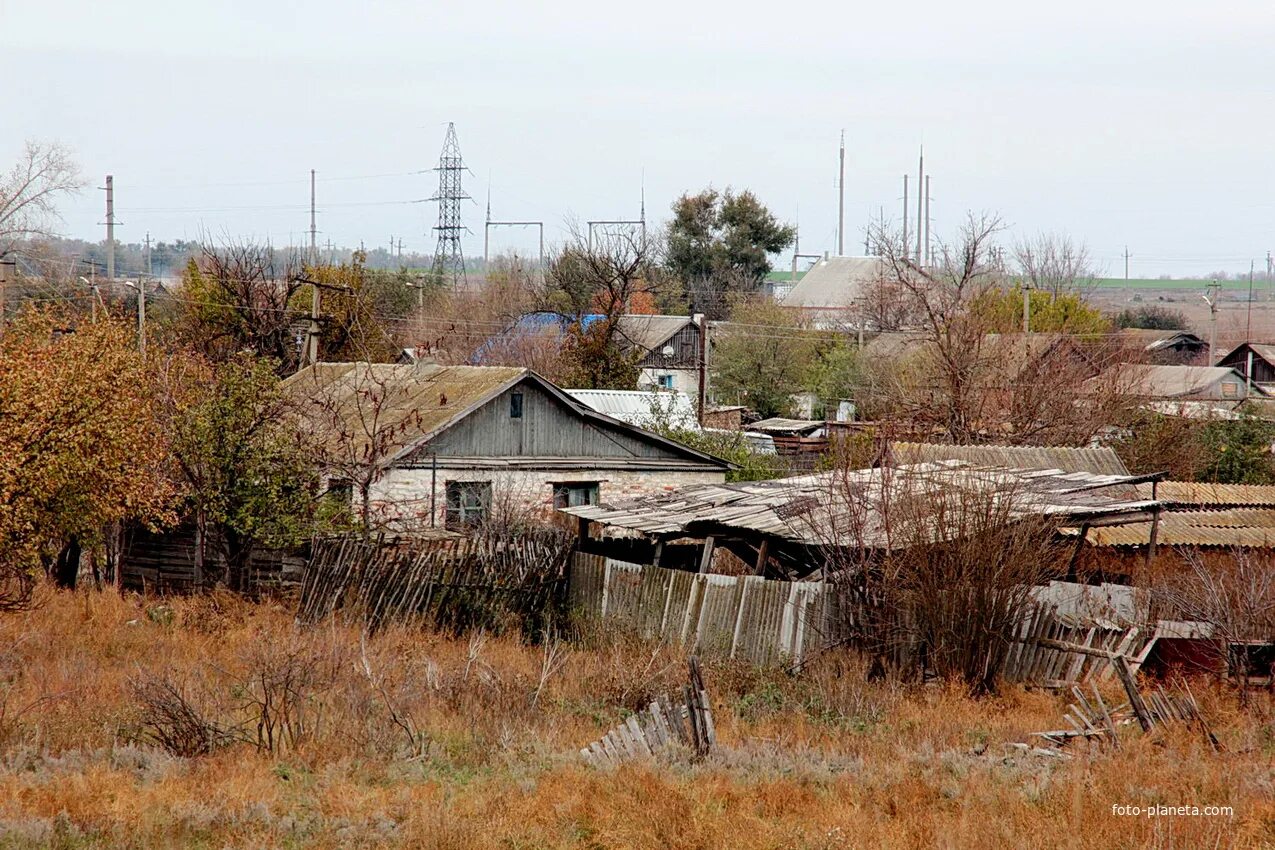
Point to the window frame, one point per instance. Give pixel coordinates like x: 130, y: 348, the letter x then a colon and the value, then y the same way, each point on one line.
x: 517, y: 404
x: 562, y: 491
x: 460, y: 512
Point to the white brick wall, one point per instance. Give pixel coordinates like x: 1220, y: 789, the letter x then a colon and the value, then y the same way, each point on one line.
x: 403, y: 495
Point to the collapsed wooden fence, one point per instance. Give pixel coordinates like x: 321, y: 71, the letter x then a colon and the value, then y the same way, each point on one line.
x: 780, y: 622
x: 455, y: 584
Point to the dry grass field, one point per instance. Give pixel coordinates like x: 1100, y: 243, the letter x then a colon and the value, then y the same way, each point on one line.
x: 320, y: 738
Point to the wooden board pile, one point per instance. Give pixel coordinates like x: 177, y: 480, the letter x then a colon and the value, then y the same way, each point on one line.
x: 1156, y: 708
x: 683, y: 720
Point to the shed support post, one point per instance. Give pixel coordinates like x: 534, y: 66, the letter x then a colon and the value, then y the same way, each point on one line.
x: 763, y: 555
x: 659, y: 552
x: 583, y: 531
x: 1155, y: 531
x: 706, y: 558
x: 1075, y: 553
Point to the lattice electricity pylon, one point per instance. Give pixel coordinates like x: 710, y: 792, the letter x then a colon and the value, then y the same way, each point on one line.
x: 449, y: 258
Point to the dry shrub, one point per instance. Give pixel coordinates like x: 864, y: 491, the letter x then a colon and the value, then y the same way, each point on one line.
x: 933, y: 575
x: 171, y: 720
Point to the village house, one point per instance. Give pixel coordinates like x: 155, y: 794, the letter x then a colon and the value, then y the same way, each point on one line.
x: 668, y: 347
x: 830, y: 290
x: 448, y: 446
x: 1176, y: 384
x: 1163, y: 348
x: 1255, y: 361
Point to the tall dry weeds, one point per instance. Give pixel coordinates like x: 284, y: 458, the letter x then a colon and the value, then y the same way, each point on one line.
x: 823, y: 759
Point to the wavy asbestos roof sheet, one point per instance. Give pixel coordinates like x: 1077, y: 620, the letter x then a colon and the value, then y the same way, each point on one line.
x: 1188, y: 494
x: 1237, y: 527
x: 1103, y: 461
x: 842, y: 507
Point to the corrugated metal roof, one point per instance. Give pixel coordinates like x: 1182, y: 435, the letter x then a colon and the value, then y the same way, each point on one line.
x: 1102, y: 461
x: 844, y: 507
x: 642, y: 407
x: 833, y: 283
x: 1197, y: 494
x: 1253, y: 528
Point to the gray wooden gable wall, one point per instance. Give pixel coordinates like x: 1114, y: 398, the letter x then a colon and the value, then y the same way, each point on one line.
x: 685, y: 345
x: 548, y: 428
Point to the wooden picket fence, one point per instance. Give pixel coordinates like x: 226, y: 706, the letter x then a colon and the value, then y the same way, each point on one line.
x: 778, y: 622
x: 745, y: 617
x: 454, y: 584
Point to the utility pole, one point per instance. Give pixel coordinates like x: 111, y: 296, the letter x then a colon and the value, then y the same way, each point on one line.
x: 313, y: 231
x: 110, y: 227
x: 5, y: 265
x: 1248, y: 323
x: 141, y: 315
x: 841, y: 199
x: 487, y: 229
x: 148, y: 253
x: 929, y: 249
x: 1210, y: 298
x: 906, y: 213
x: 1027, y: 309
x: 1126, y: 264
x: 703, y: 364
x: 920, y: 185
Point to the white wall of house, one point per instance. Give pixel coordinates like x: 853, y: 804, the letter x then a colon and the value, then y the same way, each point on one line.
x: 403, y: 495
x: 685, y: 380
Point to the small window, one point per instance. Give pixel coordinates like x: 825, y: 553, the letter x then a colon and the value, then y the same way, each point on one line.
x: 515, y: 405
x: 1230, y: 389
x: 665, y: 381
x: 340, y: 491
x: 573, y: 494
x: 467, y: 503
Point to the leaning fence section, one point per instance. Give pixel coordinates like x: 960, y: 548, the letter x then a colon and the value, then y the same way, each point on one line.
x: 777, y: 622
x: 453, y: 584
x: 745, y: 617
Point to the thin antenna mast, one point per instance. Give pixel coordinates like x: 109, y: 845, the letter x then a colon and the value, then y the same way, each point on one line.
x: 920, y: 185
x: 314, y: 245
x: 906, y: 213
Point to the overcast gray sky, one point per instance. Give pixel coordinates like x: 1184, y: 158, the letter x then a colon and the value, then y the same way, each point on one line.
x: 1116, y: 122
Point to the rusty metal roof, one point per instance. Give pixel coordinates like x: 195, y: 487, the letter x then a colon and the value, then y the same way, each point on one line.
x: 1251, y: 528
x: 845, y: 507
x: 1189, y: 494
x: 1102, y: 461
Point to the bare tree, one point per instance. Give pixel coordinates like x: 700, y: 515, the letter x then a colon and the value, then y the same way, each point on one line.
x: 593, y: 281
x: 29, y: 192
x: 1234, y: 595
x: 358, y: 416
x: 241, y: 296
x: 932, y: 574
x: 944, y: 296
x: 1055, y: 264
